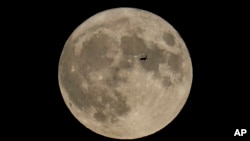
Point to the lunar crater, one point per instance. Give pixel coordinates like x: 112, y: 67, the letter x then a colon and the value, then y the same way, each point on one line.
x: 175, y: 62
x: 169, y: 39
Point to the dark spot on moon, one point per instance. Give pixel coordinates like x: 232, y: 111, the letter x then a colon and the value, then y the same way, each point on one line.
x: 93, y: 58
x: 114, y: 99
x: 175, y: 62
x: 153, y: 56
x: 132, y: 45
x: 149, y: 58
x: 169, y: 38
x: 118, y: 106
x: 115, y: 78
x: 100, y: 116
x: 94, y: 52
x: 166, y: 81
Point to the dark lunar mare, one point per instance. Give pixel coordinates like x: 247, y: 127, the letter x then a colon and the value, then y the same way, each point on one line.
x: 169, y: 38
x: 93, y: 58
x: 133, y: 45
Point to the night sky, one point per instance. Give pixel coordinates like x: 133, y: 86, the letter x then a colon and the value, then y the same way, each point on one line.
x: 216, y: 37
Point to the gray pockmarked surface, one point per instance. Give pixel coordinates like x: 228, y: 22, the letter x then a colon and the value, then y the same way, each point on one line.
x: 125, y: 76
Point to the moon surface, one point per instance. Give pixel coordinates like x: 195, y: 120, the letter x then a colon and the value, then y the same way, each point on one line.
x: 125, y: 73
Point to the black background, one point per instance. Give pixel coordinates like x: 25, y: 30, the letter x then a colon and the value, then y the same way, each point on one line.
x: 217, y: 38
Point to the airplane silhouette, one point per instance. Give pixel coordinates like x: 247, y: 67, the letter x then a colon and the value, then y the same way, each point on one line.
x: 144, y: 57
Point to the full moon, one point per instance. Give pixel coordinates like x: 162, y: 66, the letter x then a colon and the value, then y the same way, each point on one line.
x: 125, y: 73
